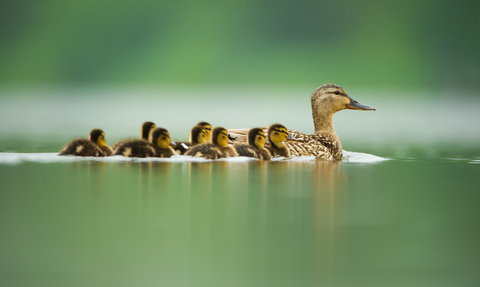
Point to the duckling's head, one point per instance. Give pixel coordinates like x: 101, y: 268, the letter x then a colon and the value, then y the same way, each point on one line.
x: 98, y: 137
x: 198, y: 135
x: 331, y: 98
x: 256, y: 137
x: 277, y: 134
x: 147, y: 130
x: 220, y: 137
x: 161, y: 138
x: 207, y: 127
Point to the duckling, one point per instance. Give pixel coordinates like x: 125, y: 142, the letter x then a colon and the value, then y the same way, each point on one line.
x: 255, y: 146
x: 324, y: 143
x: 96, y: 145
x: 158, y: 147
x: 219, y: 147
x: 161, y: 142
x: 208, y: 129
x: 145, y: 133
x: 277, y: 135
x: 199, y: 134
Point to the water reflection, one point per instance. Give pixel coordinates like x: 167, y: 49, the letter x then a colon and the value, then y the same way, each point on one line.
x: 239, y: 224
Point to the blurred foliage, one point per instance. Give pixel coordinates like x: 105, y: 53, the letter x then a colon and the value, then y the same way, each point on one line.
x: 373, y: 43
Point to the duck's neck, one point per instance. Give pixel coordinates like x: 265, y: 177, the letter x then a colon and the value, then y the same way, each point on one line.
x: 324, y: 126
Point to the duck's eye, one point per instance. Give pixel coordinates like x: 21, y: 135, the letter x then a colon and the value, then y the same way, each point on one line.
x: 337, y: 92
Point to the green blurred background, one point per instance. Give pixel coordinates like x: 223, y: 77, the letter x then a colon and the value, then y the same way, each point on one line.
x: 369, y: 44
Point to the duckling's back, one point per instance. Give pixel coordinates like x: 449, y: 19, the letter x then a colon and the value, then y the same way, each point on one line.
x: 136, y: 148
x: 252, y: 151
x: 81, y: 147
x: 164, y: 152
x: 208, y: 151
x: 245, y: 150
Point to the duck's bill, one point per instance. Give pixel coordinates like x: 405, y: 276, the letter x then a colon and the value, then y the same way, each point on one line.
x: 173, y: 143
x: 354, y: 105
x: 290, y: 137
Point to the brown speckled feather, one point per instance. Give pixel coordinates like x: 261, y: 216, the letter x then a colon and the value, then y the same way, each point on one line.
x: 310, y: 145
x: 82, y: 147
x: 314, y: 145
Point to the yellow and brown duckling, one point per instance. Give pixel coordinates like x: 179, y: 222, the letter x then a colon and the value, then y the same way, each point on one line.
x: 277, y: 135
x: 255, y: 146
x: 158, y: 147
x: 199, y: 134
x: 96, y: 145
x: 161, y: 142
x: 219, y: 148
x: 145, y: 133
x: 208, y: 129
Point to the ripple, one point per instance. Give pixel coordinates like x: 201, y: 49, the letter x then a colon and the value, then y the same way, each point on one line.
x: 17, y: 158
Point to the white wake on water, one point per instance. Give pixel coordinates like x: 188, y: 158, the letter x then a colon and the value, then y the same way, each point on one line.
x: 17, y: 158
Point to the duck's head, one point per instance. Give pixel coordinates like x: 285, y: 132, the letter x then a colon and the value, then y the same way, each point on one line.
x: 256, y: 137
x: 198, y: 135
x: 330, y: 98
x: 277, y: 134
x: 220, y: 137
x: 147, y: 130
x: 98, y: 137
x: 207, y: 127
x: 161, y: 138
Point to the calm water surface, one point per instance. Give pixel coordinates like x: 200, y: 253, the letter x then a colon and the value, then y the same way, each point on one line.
x: 402, y: 222
x: 413, y: 220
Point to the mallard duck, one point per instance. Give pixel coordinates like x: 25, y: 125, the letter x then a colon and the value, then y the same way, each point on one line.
x: 277, y: 135
x: 158, y: 147
x: 255, y: 146
x: 324, y: 143
x: 199, y: 134
x: 219, y: 147
x: 145, y: 133
x: 96, y: 145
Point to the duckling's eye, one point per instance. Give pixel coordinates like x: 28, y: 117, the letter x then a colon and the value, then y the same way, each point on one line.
x: 337, y: 92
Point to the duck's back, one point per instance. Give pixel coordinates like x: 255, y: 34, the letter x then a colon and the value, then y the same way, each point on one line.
x: 251, y: 151
x: 164, y: 152
x: 208, y: 151
x: 121, y: 142
x: 314, y: 145
x: 136, y: 148
x: 182, y: 147
x: 81, y: 147
x: 245, y: 150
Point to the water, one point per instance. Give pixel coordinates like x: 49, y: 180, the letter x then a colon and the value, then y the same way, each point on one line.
x: 412, y: 220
